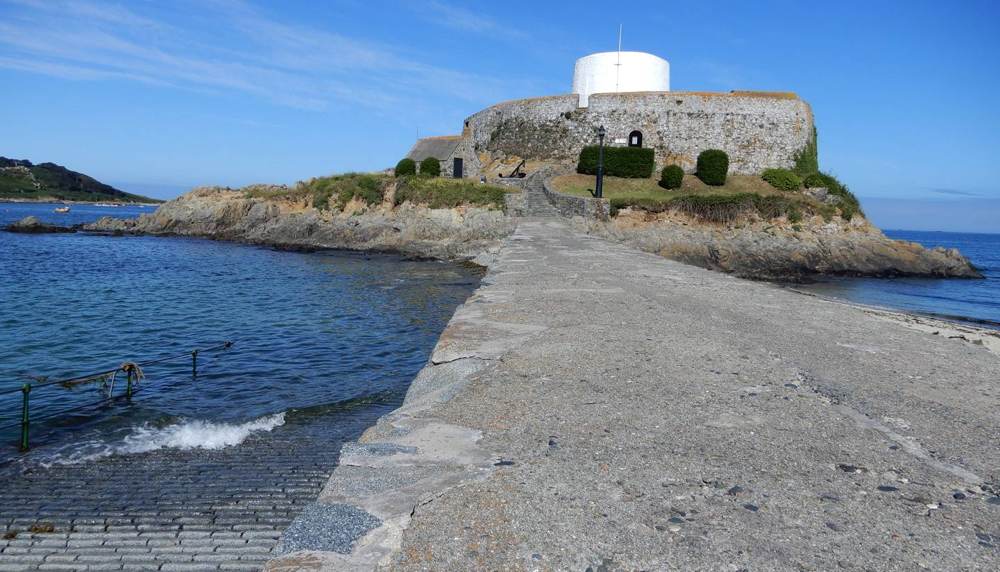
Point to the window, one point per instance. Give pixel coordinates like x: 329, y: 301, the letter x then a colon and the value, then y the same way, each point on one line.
x: 635, y: 139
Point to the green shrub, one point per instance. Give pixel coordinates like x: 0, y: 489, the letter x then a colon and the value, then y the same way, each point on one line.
x: 630, y: 162
x: 430, y: 167
x: 848, y: 205
x: 338, y: 190
x: 807, y: 159
x: 449, y: 193
x: 782, y: 179
x: 671, y: 177
x: 405, y: 167
x: 713, y: 166
x: 722, y: 208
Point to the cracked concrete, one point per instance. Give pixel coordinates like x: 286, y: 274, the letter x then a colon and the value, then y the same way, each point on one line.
x: 595, y: 407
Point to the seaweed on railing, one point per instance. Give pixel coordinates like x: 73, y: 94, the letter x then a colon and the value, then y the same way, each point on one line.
x: 133, y: 375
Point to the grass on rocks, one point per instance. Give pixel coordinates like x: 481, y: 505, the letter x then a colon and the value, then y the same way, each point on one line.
x: 336, y: 191
x: 440, y: 193
x: 740, y: 196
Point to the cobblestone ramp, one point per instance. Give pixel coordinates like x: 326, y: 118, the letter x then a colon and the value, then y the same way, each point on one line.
x: 170, y: 509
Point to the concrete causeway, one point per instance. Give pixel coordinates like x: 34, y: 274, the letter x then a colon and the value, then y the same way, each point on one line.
x: 593, y: 407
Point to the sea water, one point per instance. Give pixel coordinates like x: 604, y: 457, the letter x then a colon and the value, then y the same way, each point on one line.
x: 975, y: 301
x: 311, y: 332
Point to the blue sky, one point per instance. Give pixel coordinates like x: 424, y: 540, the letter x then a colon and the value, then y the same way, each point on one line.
x: 161, y: 96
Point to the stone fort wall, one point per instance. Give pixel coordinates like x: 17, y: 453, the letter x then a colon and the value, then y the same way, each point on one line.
x: 757, y: 130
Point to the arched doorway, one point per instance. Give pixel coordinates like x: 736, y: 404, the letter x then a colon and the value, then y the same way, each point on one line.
x: 635, y: 139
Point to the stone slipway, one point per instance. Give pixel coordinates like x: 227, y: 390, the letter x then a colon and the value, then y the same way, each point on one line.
x: 593, y: 407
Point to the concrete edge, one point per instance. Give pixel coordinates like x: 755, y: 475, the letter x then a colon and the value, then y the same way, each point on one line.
x: 409, y: 457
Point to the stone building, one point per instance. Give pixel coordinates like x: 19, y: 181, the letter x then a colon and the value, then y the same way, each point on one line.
x: 628, y: 93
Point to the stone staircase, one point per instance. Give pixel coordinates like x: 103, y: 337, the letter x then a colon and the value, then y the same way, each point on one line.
x: 533, y: 201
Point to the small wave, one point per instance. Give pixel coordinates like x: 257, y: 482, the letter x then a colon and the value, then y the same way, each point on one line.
x: 194, y: 434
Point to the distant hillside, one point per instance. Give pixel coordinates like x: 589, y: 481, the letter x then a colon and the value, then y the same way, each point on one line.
x: 21, y: 180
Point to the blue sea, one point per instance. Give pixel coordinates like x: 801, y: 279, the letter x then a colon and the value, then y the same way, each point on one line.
x: 974, y: 301
x: 330, y: 337
x: 326, y: 335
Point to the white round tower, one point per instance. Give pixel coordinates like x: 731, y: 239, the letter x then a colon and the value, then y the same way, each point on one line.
x: 619, y: 72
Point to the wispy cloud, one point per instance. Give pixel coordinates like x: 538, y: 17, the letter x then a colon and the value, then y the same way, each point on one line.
x: 955, y: 192
x: 458, y: 17
x: 288, y: 64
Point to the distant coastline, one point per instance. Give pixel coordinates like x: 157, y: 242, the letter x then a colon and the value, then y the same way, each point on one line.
x: 24, y: 181
x: 54, y: 201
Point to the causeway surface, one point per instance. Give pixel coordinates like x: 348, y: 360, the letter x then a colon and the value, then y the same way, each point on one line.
x: 593, y: 407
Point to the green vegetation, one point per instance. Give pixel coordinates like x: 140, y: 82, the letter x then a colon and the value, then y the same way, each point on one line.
x: 671, y: 177
x: 849, y: 204
x: 47, y: 181
x: 334, y: 192
x: 629, y: 162
x: 449, y: 193
x: 782, y: 179
x: 430, y: 167
x: 405, y: 167
x: 807, y: 159
x: 330, y: 193
x: 617, y: 187
x: 727, y: 208
x: 713, y: 166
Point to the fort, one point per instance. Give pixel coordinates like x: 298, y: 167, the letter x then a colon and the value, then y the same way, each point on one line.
x: 629, y: 94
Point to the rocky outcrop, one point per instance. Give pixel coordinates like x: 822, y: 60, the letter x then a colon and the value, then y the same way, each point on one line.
x: 778, y: 250
x: 32, y: 225
x: 226, y: 214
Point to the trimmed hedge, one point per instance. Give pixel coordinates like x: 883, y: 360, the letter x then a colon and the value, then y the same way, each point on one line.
x: 782, y: 179
x: 628, y: 162
x: 430, y: 167
x: 406, y: 167
x: 671, y: 177
x: 713, y: 166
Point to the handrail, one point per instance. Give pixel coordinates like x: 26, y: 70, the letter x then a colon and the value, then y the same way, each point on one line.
x: 101, y: 374
x: 132, y: 370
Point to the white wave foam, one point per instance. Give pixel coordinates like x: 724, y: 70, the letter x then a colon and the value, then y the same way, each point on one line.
x: 194, y: 434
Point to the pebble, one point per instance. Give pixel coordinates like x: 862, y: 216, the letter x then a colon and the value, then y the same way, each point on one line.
x: 751, y: 507
x: 887, y: 488
x: 993, y: 500
x: 958, y: 496
x: 735, y: 491
x: 503, y: 463
x: 850, y: 468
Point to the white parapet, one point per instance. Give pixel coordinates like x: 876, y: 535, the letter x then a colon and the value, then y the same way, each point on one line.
x: 619, y: 72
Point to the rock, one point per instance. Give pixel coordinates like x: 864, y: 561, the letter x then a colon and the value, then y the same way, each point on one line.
x: 464, y: 233
x: 766, y: 250
x: 887, y: 488
x: 32, y: 225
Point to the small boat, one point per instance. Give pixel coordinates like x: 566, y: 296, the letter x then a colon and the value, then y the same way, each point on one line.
x: 62, y: 209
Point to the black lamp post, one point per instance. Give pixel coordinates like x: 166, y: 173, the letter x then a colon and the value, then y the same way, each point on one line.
x: 599, y: 191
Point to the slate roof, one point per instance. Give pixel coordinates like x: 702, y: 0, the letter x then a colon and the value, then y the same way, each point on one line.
x: 438, y: 147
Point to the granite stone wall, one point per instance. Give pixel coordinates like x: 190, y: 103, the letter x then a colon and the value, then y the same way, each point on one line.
x: 570, y: 206
x: 757, y: 130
